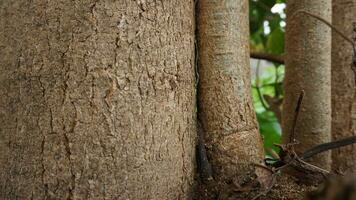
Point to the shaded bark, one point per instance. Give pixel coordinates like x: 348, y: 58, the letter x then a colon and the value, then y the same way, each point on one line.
x: 308, y: 48
x: 226, y: 110
x: 343, y: 85
x: 97, y: 99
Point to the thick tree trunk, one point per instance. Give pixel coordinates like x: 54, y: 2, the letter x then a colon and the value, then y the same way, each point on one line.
x: 343, y: 84
x: 308, y: 48
x: 226, y: 109
x: 97, y: 99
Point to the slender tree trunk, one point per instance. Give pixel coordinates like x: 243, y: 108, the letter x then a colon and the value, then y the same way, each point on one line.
x: 343, y: 84
x: 226, y: 109
x: 97, y: 99
x: 308, y: 68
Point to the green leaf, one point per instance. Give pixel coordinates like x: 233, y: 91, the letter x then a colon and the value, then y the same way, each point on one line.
x: 270, y: 129
x: 275, y: 42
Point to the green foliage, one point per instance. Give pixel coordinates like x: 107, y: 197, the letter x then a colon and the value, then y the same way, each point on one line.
x: 262, y: 35
x: 275, y: 42
x: 267, y: 35
x: 270, y: 129
x: 268, y: 85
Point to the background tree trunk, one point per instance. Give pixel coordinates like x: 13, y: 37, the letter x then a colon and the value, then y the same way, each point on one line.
x: 97, y: 99
x: 308, y: 48
x: 225, y: 102
x: 343, y: 84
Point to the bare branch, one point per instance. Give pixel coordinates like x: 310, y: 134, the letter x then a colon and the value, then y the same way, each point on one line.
x: 267, y: 56
x: 296, y: 113
x: 328, y: 24
x: 328, y: 146
x: 257, y: 83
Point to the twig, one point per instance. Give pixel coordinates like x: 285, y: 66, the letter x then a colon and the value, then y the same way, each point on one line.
x: 263, y: 167
x: 258, y: 88
x: 328, y: 24
x: 296, y: 114
x: 274, y: 106
x: 267, y: 85
x: 353, y: 66
x: 328, y: 146
x: 269, y: 57
x: 313, y: 166
x: 276, y: 91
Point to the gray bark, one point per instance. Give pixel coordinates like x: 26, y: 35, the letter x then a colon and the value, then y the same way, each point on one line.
x: 97, y: 99
x: 308, y: 68
x: 226, y: 109
x: 343, y: 85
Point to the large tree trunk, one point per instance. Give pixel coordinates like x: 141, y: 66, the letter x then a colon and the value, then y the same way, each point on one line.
x: 343, y: 84
x: 308, y: 48
x: 97, y: 99
x: 226, y: 109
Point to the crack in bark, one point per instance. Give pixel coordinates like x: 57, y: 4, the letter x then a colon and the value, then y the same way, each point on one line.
x: 43, y: 141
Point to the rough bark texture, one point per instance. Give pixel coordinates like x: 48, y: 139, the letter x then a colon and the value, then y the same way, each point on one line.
x: 226, y: 109
x: 308, y: 68
x: 97, y: 99
x: 343, y: 84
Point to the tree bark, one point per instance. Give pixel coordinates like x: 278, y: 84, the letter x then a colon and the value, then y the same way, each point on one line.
x: 343, y: 85
x: 308, y: 68
x: 97, y: 99
x: 225, y: 104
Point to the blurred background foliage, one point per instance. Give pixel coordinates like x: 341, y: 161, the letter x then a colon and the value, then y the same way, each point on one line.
x: 267, y: 23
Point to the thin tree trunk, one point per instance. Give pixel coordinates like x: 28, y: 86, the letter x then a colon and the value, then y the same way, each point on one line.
x: 343, y: 84
x: 226, y: 109
x: 308, y: 68
x: 97, y: 99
